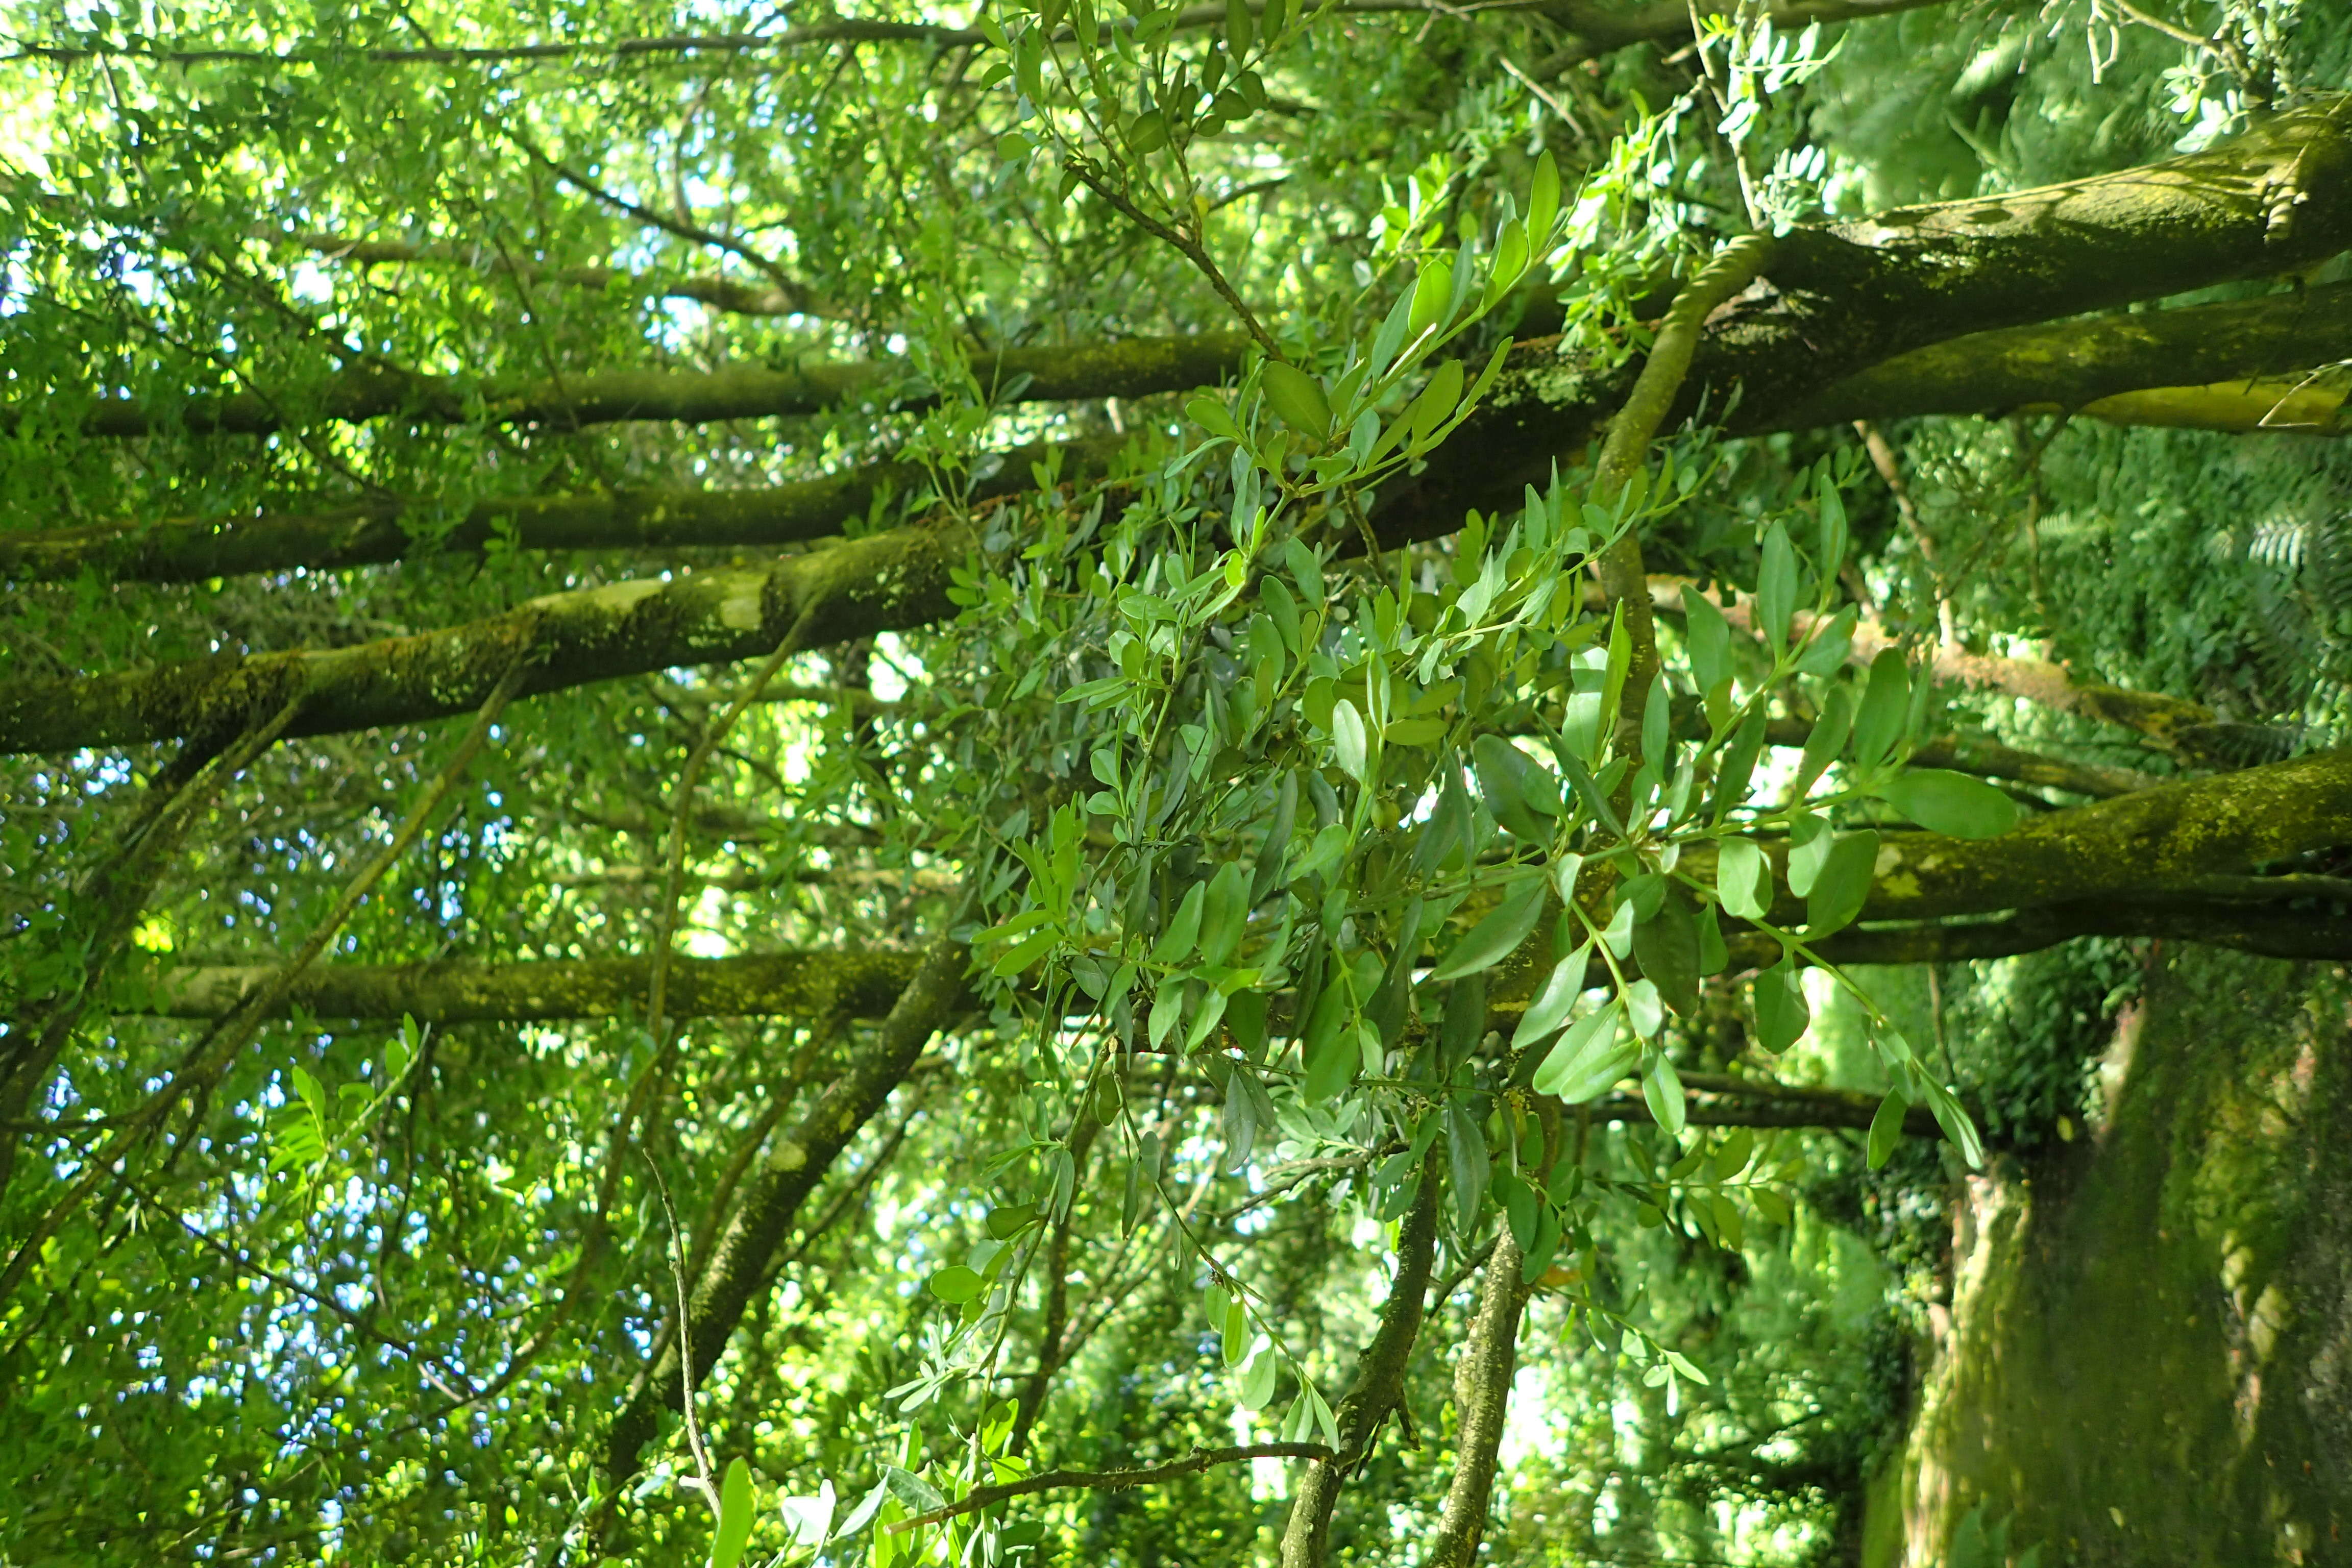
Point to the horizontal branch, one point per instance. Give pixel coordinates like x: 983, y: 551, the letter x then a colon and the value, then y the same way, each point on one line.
x: 808, y: 984
x: 839, y: 31
x: 1918, y: 1121
x: 1111, y: 1480
x: 2074, y: 366
x: 2150, y: 845
x: 1838, y: 299
x: 1132, y: 367
x: 720, y: 293
x: 2310, y: 405
x: 191, y: 549
x: 887, y: 581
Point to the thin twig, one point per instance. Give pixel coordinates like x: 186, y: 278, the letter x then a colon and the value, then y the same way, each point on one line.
x: 1189, y: 247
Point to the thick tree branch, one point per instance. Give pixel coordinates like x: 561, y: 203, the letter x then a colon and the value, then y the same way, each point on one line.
x: 1379, y: 1386
x: 792, y: 1171
x: 191, y: 549
x: 884, y: 582
x: 786, y: 985
x: 720, y: 293
x: 2076, y: 365
x: 1838, y: 299
x: 1594, y: 30
x: 1131, y: 368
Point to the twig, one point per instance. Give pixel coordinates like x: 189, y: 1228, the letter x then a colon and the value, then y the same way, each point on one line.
x: 1112, y: 1480
x: 1189, y: 248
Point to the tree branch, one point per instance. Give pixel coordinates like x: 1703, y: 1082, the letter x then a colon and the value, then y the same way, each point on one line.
x: 792, y: 1170
x: 1133, y: 367
x: 1110, y: 1481
x: 1379, y: 1386
x: 191, y: 549
x: 788, y: 985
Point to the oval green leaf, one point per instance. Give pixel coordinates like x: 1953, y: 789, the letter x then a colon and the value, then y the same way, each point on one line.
x: 1951, y: 804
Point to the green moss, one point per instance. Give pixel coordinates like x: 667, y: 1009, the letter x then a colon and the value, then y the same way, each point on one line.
x: 2147, y: 1357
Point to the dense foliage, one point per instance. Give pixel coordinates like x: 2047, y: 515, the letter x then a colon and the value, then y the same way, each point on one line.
x: 760, y: 768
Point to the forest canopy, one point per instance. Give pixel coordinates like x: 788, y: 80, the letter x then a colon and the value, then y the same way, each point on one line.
x: 1147, y: 784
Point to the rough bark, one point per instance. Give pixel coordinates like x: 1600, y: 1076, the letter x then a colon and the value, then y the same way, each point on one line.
x: 886, y: 582
x: 1833, y: 301
x: 1840, y: 297
x: 734, y: 295
x: 2074, y: 366
x: 1482, y: 1398
x: 1131, y: 368
x: 1379, y: 1386
x: 2136, y: 846
x: 188, y: 550
x: 792, y: 1171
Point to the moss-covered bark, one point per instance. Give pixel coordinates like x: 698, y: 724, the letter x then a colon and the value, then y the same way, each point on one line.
x: 183, y: 550
x: 794, y: 1164
x: 2076, y: 364
x: 883, y: 583
x: 2150, y: 1357
x: 791, y: 984
x: 1131, y: 368
x: 1838, y: 299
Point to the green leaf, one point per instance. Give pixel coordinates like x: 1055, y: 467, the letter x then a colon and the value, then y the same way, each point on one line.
x: 1543, y: 199
x: 1147, y: 131
x: 1504, y: 784
x: 956, y: 1285
x: 1661, y: 1092
x: 1494, y: 939
x: 1210, y: 414
x: 734, y: 1516
x: 1831, y: 727
x: 1167, y: 1007
x: 1581, y: 1054
x: 1348, y: 742
x: 1950, y: 804
x: 1431, y: 291
x: 1739, y: 766
x: 1887, y: 1128
x: 1024, y: 953
x: 1844, y: 885
x: 1466, y: 1159
x: 1225, y: 914
x: 1175, y: 944
x: 1644, y: 1010
x: 1666, y: 947
x: 1009, y: 1220
x: 1743, y: 878
x: 1296, y: 399
x: 1329, y: 1049
x: 1781, y: 1014
x: 1776, y: 586
x: 1810, y: 842
x: 1958, y: 1125
x: 1709, y: 637
x: 1879, y: 723
x: 1257, y: 1378
x: 1238, y: 27
x: 1435, y: 403
x: 1558, y: 999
